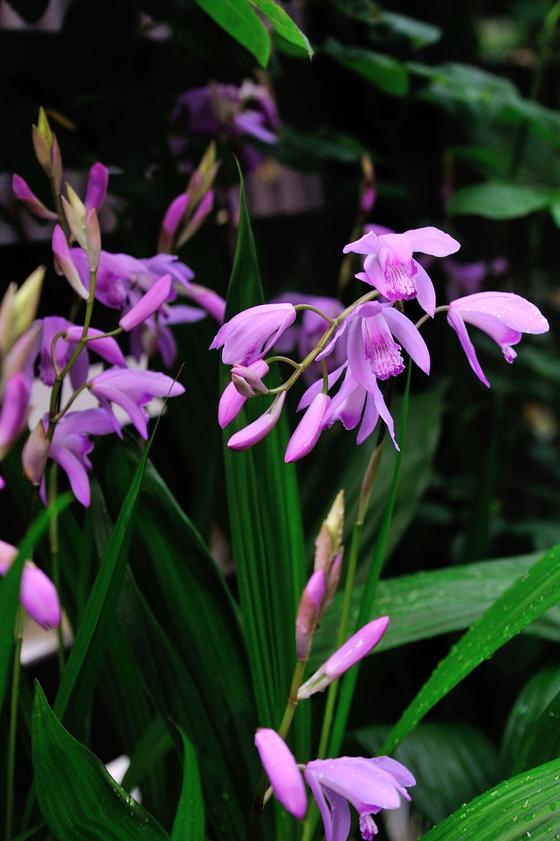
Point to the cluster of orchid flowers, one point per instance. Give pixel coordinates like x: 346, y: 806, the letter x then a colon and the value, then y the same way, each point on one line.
x: 360, y: 345
x: 368, y: 784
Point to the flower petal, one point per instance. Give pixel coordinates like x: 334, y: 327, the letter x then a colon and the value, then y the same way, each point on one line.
x: 259, y: 429
x: 408, y: 335
x: 307, y: 432
x: 425, y: 292
x: 282, y: 771
x: 455, y: 319
x: 432, y: 241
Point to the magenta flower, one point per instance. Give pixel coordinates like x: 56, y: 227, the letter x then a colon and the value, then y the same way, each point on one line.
x: 350, y: 653
x: 232, y: 400
x: 148, y: 304
x: 37, y: 592
x: 369, y: 785
x: 13, y: 411
x: 250, y: 334
x: 132, y: 390
x: 259, y: 429
x: 27, y: 197
x: 309, y: 429
x: 96, y: 191
x: 503, y: 316
x: 309, y: 611
x: 282, y: 771
x: 389, y: 265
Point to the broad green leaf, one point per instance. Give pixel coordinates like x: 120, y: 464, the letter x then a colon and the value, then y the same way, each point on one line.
x: 189, y: 819
x: 452, y: 763
x: 381, y: 70
x: 419, y: 33
x: 283, y: 24
x: 240, y: 21
x: 529, y: 597
x: 78, y: 798
x: 82, y: 669
x: 524, y: 807
x: 10, y: 587
x: 428, y: 604
x: 532, y: 733
x: 265, y: 518
x: 497, y: 200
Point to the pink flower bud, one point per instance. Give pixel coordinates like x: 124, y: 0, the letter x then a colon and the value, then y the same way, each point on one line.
x: 37, y: 592
x: 148, y: 304
x: 259, y: 429
x: 332, y: 581
x: 96, y: 191
x: 308, y: 613
x: 350, y: 653
x: 282, y: 771
x: 13, y: 411
x: 210, y: 301
x: 65, y: 263
x: 34, y: 454
x: 231, y: 401
x: 246, y: 381
x: 200, y: 214
x: 174, y: 215
x: 27, y: 197
x: 307, y: 432
x: 93, y: 236
x: 42, y: 150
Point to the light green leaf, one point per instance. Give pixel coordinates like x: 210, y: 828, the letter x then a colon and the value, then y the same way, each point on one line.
x: 189, y: 818
x: 421, y: 34
x: 381, y: 70
x: 529, y: 597
x: 524, y: 807
x: 495, y: 200
x: 283, y: 24
x: 452, y: 763
x: 239, y: 20
x: 78, y: 798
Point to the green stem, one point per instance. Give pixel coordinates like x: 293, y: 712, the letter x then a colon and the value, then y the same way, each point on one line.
x: 10, y: 774
x: 55, y: 557
x: 292, y: 702
x: 316, y: 310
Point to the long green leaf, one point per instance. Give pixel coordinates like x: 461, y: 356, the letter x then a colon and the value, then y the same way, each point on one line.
x: 526, y: 711
x: 283, y: 25
x: 382, y: 70
x: 265, y: 517
x: 82, y: 668
x: 528, y: 597
x: 189, y: 819
x: 524, y: 807
x: 239, y: 20
x: 542, y: 737
x: 10, y: 586
x: 78, y: 798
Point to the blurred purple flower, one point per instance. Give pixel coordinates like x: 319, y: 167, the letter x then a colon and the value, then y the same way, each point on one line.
x: 27, y: 197
x: 106, y: 348
x: 282, y: 771
x: 369, y: 785
x: 37, y: 592
x: 96, y: 191
x: 13, y: 410
x: 503, y: 316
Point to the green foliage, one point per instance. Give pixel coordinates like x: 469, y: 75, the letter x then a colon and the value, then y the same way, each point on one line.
x: 381, y: 70
x: 189, y: 819
x: 498, y: 201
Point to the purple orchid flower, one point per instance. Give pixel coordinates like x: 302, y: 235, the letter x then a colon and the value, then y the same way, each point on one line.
x: 96, y: 191
x: 259, y: 429
x: 504, y: 316
x: 282, y: 771
x: 23, y: 193
x: 132, y: 390
x: 13, y: 411
x: 250, y: 334
x: 369, y: 785
x: 389, y: 265
x: 148, y: 304
x: 309, y: 429
x: 68, y: 337
x: 37, y: 592
x: 233, y: 400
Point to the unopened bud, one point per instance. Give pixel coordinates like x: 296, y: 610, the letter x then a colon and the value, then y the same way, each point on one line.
x: 329, y: 539
x: 42, y: 151
x: 21, y: 354
x: 333, y: 579
x: 7, y: 315
x: 308, y: 613
x: 13, y: 412
x: 76, y: 221
x: 27, y: 197
x: 93, y: 237
x: 26, y: 301
x: 34, y: 454
x: 56, y: 164
x: 247, y: 381
x: 44, y: 128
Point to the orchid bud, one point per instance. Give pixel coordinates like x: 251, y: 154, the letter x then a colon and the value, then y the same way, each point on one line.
x: 353, y: 650
x: 329, y: 540
x: 26, y: 301
x: 34, y: 454
x: 247, y: 381
x: 93, y: 237
x: 21, y: 354
x: 27, y: 197
x: 148, y: 303
x: 282, y: 771
x: 231, y: 401
x: 307, y: 432
x: 37, y: 592
x: 209, y: 300
x: 308, y: 613
x: 75, y: 214
x: 44, y: 128
x: 63, y: 260
x: 333, y: 579
x: 7, y: 316
x: 96, y: 191
x: 204, y: 208
x: 259, y: 429
x: 173, y: 217
x: 13, y: 411
x: 56, y: 163
x: 42, y: 151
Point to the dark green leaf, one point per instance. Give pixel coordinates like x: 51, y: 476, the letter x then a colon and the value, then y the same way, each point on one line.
x: 283, y: 24
x: 498, y: 201
x: 452, y: 763
x: 189, y: 819
x: 78, y: 798
x: 529, y: 597
x: 532, y: 735
x: 381, y: 70
x: 240, y: 21
x: 419, y: 33
x: 524, y: 807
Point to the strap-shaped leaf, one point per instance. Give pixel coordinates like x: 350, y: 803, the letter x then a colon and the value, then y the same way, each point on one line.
x: 239, y: 20
x: 189, y: 818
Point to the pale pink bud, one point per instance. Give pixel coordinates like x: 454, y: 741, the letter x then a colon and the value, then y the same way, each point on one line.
x: 333, y: 579
x: 350, y: 653
x: 174, y: 215
x: 200, y: 214
x: 27, y: 197
x: 210, y: 301
x: 282, y: 771
x: 329, y: 540
x: 246, y: 381
x: 37, y: 592
x: 231, y: 401
x: 56, y: 161
x: 96, y: 190
x: 34, y: 454
x: 93, y: 235
x: 259, y: 429
x: 307, y: 432
x: 65, y: 263
x: 148, y: 304
x: 308, y: 613
x: 13, y: 411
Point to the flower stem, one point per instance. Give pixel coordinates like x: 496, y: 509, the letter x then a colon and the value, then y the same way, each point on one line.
x: 10, y: 773
x: 292, y: 702
x: 55, y: 557
x: 316, y: 310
